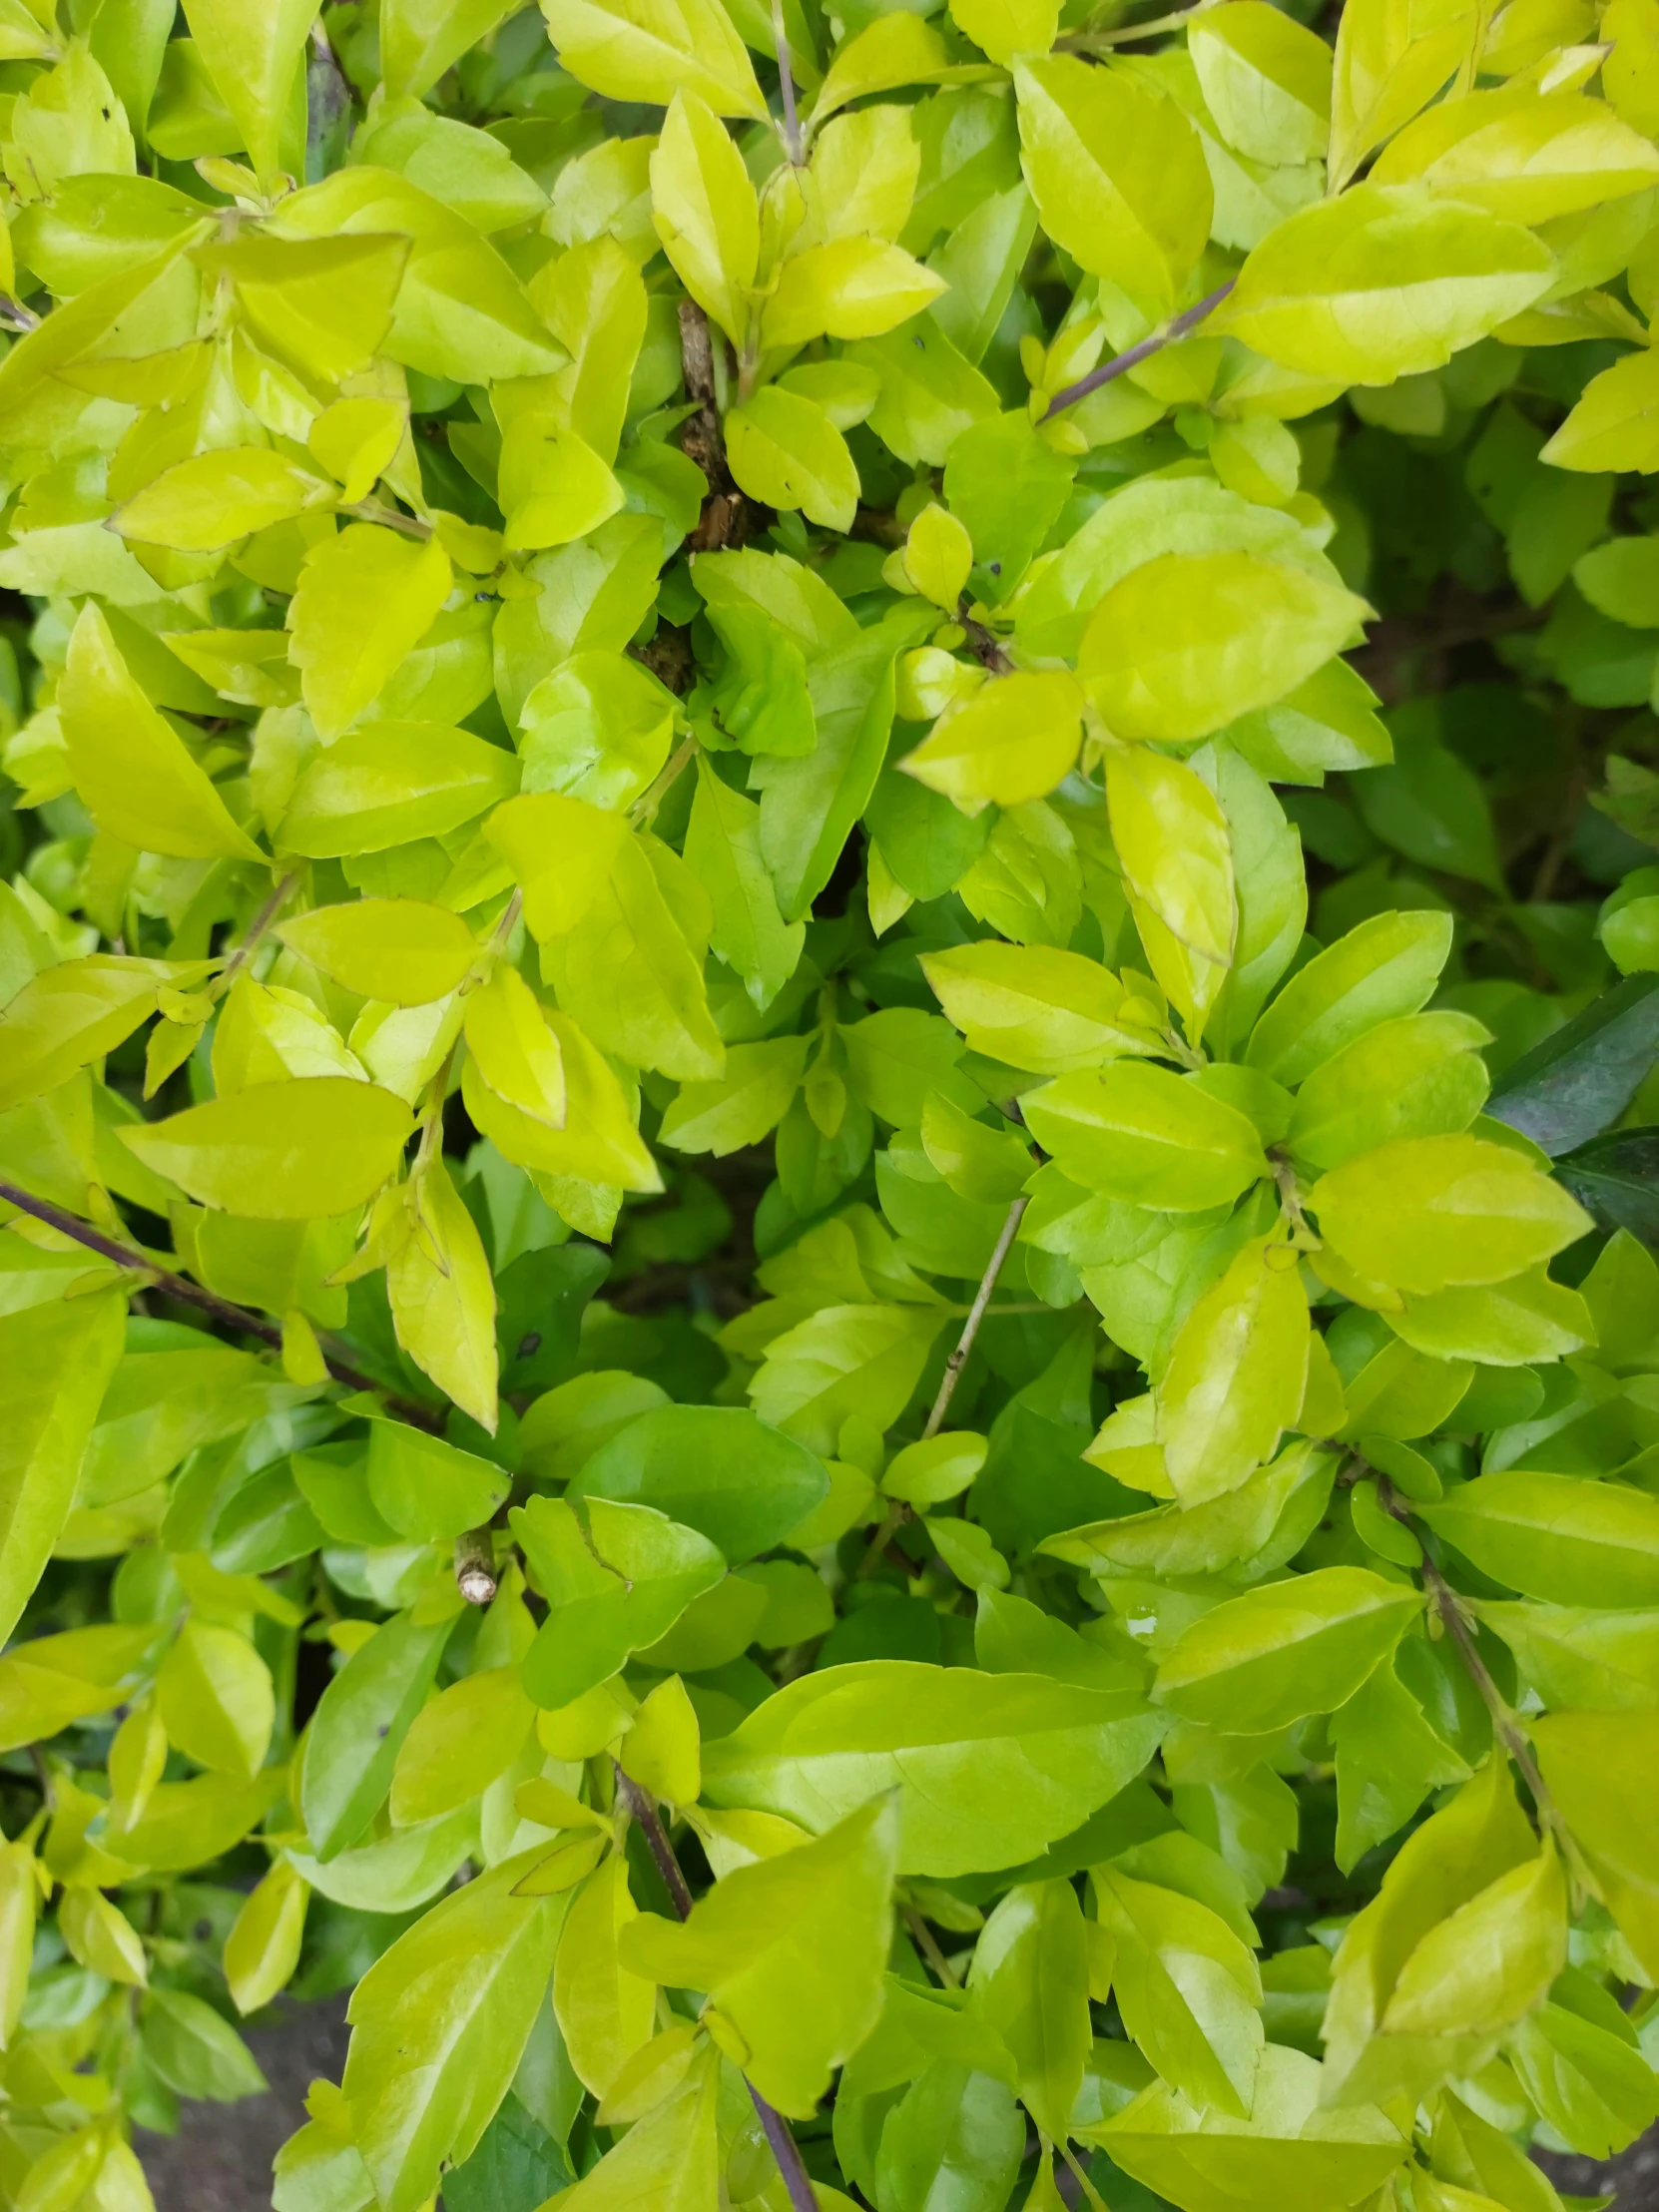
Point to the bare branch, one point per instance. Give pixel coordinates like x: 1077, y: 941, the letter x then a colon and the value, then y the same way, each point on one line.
x: 1177, y: 327
x: 221, y: 1309
x: 796, y: 2180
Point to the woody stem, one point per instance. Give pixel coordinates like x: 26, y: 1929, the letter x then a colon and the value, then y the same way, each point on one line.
x: 785, y: 2148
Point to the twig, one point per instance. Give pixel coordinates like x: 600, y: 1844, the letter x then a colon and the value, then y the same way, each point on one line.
x: 929, y: 1945
x: 221, y: 1309
x: 785, y: 84
x: 258, y: 926
x: 986, y: 649
x: 784, y: 2149
x: 1081, y: 2178
x: 475, y: 1567
x: 701, y: 438
x: 953, y: 1372
x: 644, y: 808
x: 1124, y: 34
x: 1505, y: 1723
x: 656, y: 1836
x: 390, y: 518
x: 976, y: 1313
x: 327, y: 95
x: 1177, y: 327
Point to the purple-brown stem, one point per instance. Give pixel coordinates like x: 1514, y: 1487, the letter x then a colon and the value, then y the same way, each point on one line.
x: 1177, y: 327
x: 785, y: 2148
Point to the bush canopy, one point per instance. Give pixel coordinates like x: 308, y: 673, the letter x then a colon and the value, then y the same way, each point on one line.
x: 827, y: 1007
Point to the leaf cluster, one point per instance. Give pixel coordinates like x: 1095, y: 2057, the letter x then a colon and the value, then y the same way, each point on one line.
x: 828, y: 1137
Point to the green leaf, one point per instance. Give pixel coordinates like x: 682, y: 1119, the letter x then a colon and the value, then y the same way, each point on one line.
x: 279, y: 1151
x: 1265, y: 80
x: 438, y: 2024
x: 651, y: 49
x: 1489, y: 1961
x: 1592, y: 2088
x: 1578, y: 1656
x: 1385, y: 968
x: 1291, y: 2152
x: 784, y: 451
x: 1419, y: 1075
x: 1117, y: 174
x: 195, y: 2050
x: 844, y: 1360
x: 1554, y: 1537
x: 1030, y: 1983
x: 1173, y: 841
x: 420, y: 38
x: 358, y: 1728
x: 668, y: 2162
x: 552, y: 485
x: 1035, y: 1007
x: 723, y: 848
x: 389, y: 783
x: 640, y: 1574
x: 132, y: 769
x: 792, y: 1951
x: 1386, y: 280
x: 1581, y: 1077
x: 1521, y: 156
x: 217, y: 1700
x: 1592, y: 1763
x: 263, y: 1948
x: 54, y: 1362
x: 1259, y: 1662
x: 995, y: 1767
x: 1012, y: 739
x: 1272, y: 1506
x: 742, y: 1105
x: 955, y: 2130
x: 1389, y: 1758
x: 365, y: 601
x: 253, y: 55
x: 426, y: 1490
x: 398, y: 949
x: 1142, y: 1134
x: 1427, y: 1212
x: 1237, y: 1375
x: 599, y: 728
x: 714, y: 1468
x: 1612, y: 425
x: 1188, y: 1990
x: 1184, y: 642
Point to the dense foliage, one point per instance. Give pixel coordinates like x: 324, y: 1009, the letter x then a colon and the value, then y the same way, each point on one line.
x: 828, y: 996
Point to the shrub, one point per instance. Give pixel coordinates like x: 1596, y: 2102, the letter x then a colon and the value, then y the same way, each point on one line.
x: 713, y: 1296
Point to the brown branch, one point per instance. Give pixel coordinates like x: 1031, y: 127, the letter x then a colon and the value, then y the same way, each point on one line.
x: 237, y: 1318
x: 1505, y: 1726
x: 1178, y: 326
x: 796, y: 2180
x: 986, y: 649
x: 475, y: 1565
x: 976, y: 1313
x: 703, y: 440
